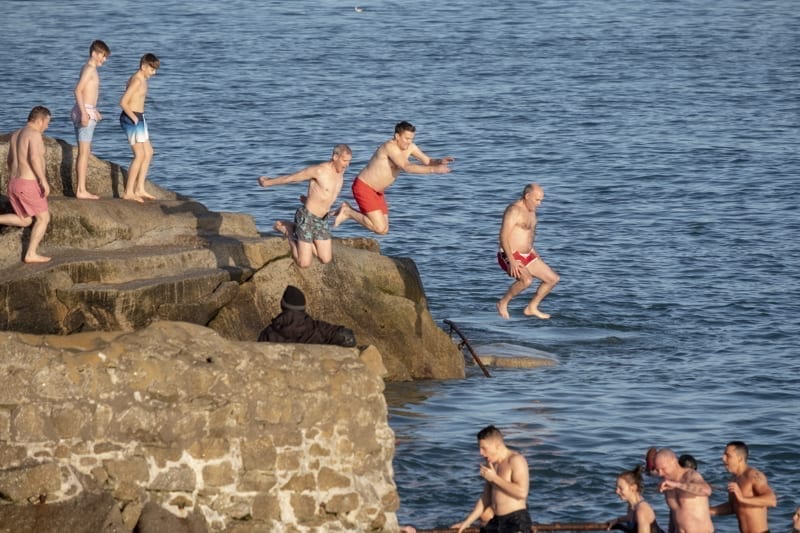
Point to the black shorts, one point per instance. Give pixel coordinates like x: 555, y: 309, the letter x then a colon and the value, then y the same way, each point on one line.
x: 516, y: 522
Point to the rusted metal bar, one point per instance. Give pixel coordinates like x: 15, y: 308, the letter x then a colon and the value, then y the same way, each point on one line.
x: 466, y: 343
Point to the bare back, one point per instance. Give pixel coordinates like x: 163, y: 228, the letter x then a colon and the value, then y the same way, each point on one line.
x: 323, y: 188
x: 518, y: 229
x: 26, y: 154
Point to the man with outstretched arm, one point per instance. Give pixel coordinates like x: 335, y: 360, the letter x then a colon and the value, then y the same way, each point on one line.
x: 749, y: 494
x: 389, y: 160
x: 309, y: 234
x: 686, y: 494
x: 505, y: 493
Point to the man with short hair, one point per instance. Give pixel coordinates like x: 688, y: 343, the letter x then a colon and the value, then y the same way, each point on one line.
x: 28, y: 188
x: 749, y: 494
x: 391, y: 158
x: 686, y: 494
x: 505, y: 493
x: 309, y: 235
x: 517, y: 256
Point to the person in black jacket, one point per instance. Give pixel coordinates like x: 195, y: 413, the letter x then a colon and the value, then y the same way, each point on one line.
x: 294, y: 325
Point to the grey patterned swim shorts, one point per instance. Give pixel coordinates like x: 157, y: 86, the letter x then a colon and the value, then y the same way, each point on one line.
x: 308, y: 227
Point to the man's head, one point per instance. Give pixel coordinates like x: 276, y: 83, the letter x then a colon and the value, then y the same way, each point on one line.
x: 150, y: 64
x: 404, y: 134
x: 40, y: 117
x: 341, y: 157
x: 687, y: 461
x: 735, y: 456
x: 532, y: 196
x: 99, y: 50
x: 490, y: 443
x: 667, y: 464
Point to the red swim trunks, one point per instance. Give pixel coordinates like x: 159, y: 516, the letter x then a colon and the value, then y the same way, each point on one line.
x: 526, y: 259
x: 26, y: 197
x: 368, y: 199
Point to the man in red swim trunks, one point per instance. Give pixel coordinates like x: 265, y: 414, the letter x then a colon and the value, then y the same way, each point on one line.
x: 517, y: 255
x: 386, y: 163
x: 28, y: 188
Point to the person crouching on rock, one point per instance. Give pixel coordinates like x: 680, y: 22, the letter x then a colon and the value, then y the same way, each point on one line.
x: 293, y: 324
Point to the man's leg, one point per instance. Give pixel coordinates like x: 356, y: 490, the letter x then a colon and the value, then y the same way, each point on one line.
x: 517, y: 287
x: 12, y: 219
x: 540, y: 270
x: 37, y: 233
x: 133, y: 172
x: 147, y: 152
x: 375, y: 221
x: 323, y: 249
x: 82, y: 169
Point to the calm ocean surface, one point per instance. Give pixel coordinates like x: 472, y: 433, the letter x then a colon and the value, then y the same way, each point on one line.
x: 665, y: 134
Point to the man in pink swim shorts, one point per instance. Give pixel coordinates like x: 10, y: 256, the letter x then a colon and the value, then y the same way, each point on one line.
x: 28, y: 188
x: 518, y: 257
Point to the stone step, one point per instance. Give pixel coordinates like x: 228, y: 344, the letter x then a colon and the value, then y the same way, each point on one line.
x: 190, y: 296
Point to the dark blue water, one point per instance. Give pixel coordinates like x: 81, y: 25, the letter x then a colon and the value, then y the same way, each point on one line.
x: 665, y: 135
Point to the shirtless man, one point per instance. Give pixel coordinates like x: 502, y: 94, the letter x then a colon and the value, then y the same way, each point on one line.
x: 686, y: 494
x: 85, y: 115
x: 309, y: 234
x: 517, y: 234
x: 133, y: 123
x: 505, y: 492
x: 388, y: 161
x: 749, y: 494
x: 28, y: 188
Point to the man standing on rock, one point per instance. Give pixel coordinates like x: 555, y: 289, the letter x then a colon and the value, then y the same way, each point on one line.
x: 309, y: 235
x: 518, y: 257
x: 386, y: 163
x: 28, y: 188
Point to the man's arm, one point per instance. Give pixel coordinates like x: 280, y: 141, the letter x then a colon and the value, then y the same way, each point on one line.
x: 721, y: 509
x: 510, y: 221
x: 429, y: 166
x: 80, y: 88
x: 301, y: 175
x: 519, y: 484
x: 36, y: 155
x: 695, y: 485
x: 134, y: 85
x: 763, y: 495
x: 483, y: 503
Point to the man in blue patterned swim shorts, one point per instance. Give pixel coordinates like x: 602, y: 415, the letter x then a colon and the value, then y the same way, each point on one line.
x: 309, y: 234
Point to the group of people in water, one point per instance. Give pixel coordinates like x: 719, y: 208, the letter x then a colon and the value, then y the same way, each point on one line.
x: 502, y: 506
x: 28, y: 187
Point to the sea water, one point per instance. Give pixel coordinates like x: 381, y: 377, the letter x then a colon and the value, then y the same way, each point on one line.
x: 665, y: 135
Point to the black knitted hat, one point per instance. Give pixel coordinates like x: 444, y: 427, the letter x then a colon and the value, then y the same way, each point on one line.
x: 293, y: 299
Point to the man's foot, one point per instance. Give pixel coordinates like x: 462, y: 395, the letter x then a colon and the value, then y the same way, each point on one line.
x: 502, y: 309
x: 86, y: 195
x: 284, y: 228
x: 341, y: 214
x: 132, y: 198
x: 36, y: 258
x: 534, y: 311
x: 144, y: 196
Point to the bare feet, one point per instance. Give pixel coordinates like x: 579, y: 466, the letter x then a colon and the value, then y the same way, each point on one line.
x: 502, y: 309
x: 341, y: 214
x: 85, y: 195
x: 284, y: 228
x: 534, y: 311
x: 132, y: 198
x: 36, y: 258
x: 144, y: 196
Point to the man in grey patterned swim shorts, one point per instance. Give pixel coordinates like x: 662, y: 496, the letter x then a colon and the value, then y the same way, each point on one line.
x: 309, y: 234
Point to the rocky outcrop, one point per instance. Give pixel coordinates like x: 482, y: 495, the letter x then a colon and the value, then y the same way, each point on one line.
x: 228, y: 435
x: 119, y: 265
